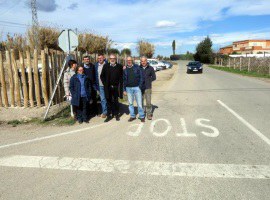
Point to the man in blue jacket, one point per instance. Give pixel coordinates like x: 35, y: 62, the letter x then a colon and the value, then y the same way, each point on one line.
x: 80, y: 89
x: 133, y: 83
x: 99, y: 85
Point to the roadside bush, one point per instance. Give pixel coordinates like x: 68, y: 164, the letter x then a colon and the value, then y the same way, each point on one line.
x: 175, y: 57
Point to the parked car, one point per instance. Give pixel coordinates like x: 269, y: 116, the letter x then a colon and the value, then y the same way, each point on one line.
x: 194, y: 66
x: 155, y: 65
x: 160, y: 65
x: 167, y: 64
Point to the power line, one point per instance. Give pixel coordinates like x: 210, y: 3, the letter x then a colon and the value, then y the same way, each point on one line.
x: 13, y: 23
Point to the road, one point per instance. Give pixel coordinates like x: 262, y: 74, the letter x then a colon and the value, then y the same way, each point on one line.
x: 209, y: 139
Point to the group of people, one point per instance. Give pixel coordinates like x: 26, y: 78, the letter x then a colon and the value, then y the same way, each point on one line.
x: 110, y: 81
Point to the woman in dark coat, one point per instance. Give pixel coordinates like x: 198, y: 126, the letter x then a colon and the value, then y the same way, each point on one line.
x: 80, y: 89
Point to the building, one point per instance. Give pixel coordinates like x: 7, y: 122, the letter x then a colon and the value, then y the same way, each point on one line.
x: 226, y: 50
x: 247, y: 47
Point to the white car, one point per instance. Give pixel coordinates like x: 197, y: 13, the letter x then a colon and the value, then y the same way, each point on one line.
x: 151, y: 63
x: 160, y: 65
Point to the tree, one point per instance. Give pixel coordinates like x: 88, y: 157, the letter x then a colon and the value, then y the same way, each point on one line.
x: 173, y: 47
x: 113, y: 51
x: 204, y: 52
x: 145, y: 48
x: 160, y: 57
x: 126, y: 52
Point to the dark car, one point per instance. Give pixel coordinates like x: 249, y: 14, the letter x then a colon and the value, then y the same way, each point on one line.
x: 194, y: 66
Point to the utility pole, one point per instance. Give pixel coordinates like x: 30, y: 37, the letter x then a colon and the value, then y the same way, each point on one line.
x: 35, y: 25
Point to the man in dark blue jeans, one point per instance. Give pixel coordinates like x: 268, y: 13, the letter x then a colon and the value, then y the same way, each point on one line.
x: 89, y: 71
x: 133, y: 82
x: 80, y: 89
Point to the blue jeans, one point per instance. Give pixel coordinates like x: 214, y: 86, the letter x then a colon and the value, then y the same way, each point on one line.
x: 131, y: 93
x: 103, y: 100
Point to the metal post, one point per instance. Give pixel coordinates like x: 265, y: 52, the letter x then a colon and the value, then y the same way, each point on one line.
x: 56, y: 85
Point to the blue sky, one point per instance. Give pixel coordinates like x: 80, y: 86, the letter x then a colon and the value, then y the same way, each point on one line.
x: 159, y: 21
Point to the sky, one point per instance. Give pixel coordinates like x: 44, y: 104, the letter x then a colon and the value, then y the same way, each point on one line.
x: 158, y: 21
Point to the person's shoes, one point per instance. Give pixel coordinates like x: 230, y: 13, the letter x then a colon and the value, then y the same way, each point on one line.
x: 131, y: 119
x: 108, y: 119
x: 117, y: 117
x: 142, y: 119
x: 149, y: 117
x: 103, y: 116
x: 86, y: 121
x: 80, y: 121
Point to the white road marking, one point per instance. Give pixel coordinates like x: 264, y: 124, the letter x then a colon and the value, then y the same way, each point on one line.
x: 139, y: 167
x: 152, y: 126
x: 49, y: 136
x: 185, y: 132
x: 138, y: 130
x: 215, y: 132
x: 252, y: 128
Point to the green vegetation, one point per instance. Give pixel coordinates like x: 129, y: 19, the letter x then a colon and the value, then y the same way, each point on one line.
x: 126, y: 52
x: 243, y: 72
x: 14, y: 123
x: 63, y: 118
x: 173, y: 47
x: 113, y: 51
x: 204, y: 52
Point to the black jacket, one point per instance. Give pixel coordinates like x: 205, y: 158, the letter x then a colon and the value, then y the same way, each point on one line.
x: 91, y: 74
x: 105, y: 78
x: 149, y: 77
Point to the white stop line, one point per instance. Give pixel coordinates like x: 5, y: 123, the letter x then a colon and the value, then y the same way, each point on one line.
x: 139, y: 167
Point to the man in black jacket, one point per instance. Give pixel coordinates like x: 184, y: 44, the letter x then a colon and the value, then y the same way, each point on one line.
x: 112, y: 79
x: 89, y: 71
x: 149, y: 77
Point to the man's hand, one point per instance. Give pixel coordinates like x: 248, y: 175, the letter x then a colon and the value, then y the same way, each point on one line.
x: 124, y: 67
x: 125, y: 93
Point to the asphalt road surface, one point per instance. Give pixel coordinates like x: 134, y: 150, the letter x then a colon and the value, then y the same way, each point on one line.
x: 209, y: 139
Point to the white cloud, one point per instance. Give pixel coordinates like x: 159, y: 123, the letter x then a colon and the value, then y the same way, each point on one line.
x: 164, y: 23
x: 155, y: 20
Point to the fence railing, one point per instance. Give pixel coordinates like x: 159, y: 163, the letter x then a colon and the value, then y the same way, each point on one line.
x: 27, y: 78
x: 250, y: 64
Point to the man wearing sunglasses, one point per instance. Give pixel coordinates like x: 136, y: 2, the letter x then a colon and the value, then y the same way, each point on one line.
x: 112, y: 79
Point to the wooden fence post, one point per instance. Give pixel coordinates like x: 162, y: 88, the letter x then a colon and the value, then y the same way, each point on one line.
x: 16, y: 79
x: 240, y: 63
x: 36, y: 78
x: 30, y: 78
x: 233, y: 63
x: 249, y: 64
x: 24, y: 83
x: 269, y: 65
x: 44, y: 78
x: 229, y: 62
x: 3, y: 81
x: 1, y: 103
x: 50, y: 64
x: 10, y: 78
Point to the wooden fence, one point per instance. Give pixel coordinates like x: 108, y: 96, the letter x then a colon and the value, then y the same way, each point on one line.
x: 27, y: 78
x: 251, y: 64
